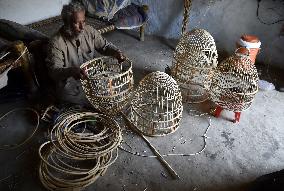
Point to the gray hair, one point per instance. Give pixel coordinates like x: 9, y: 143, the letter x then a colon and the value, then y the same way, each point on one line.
x: 67, y: 15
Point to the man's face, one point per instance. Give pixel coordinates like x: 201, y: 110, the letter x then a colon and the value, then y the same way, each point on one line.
x: 78, y: 22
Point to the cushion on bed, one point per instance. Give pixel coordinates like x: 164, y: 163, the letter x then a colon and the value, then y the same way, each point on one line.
x: 130, y: 17
x: 104, y: 9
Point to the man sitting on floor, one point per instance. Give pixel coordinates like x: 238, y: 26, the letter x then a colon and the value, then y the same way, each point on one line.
x: 74, y: 44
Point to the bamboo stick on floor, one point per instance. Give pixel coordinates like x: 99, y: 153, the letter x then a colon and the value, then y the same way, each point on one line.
x: 159, y: 156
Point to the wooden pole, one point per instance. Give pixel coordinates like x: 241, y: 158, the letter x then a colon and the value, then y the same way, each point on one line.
x: 159, y: 156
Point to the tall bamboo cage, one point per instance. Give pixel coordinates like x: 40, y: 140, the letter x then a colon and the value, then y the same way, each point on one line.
x: 195, y: 58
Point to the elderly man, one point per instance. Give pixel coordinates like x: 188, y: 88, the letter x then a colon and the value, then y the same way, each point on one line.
x: 74, y: 44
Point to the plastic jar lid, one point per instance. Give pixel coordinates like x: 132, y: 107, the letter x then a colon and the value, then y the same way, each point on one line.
x: 249, y: 41
x: 250, y: 38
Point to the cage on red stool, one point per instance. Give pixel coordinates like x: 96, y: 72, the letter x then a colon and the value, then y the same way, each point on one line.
x: 234, y: 84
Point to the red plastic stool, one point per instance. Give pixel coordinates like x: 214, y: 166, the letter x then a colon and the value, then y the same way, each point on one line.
x: 220, y: 109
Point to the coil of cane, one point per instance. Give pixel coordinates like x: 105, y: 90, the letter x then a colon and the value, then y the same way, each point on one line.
x: 109, y: 84
x: 27, y: 139
x: 56, y: 174
x: 156, y: 107
x: 85, y: 145
x: 194, y: 60
x: 235, y: 83
x: 73, y: 159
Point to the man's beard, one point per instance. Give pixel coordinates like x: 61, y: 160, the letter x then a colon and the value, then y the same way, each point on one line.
x: 77, y: 33
x: 70, y: 32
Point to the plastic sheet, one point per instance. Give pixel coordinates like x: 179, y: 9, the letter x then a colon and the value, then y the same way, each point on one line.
x: 265, y: 85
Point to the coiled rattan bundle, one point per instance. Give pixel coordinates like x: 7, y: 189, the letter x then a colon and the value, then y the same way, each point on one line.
x: 235, y: 83
x: 82, y: 146
x: 156, y: 107
x: 195, y: 58
x: 109, y: 83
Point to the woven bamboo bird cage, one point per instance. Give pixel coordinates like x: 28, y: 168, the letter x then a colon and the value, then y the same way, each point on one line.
x: 156, y: 107
x: 81, y: 148
x: 235, y: 83
x: 109, y: 84
x: 195, y: 58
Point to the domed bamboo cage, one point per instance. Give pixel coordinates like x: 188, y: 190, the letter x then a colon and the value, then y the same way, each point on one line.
x: 195, y: 57
x: 235, y: 83
x: 156, y: 107
x: 109, y: 84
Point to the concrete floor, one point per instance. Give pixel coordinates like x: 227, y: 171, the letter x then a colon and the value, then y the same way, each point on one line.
x: 234, y: 156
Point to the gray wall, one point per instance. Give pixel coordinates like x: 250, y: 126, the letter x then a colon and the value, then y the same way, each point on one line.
x: 226, y: 20
x: 28, y: 11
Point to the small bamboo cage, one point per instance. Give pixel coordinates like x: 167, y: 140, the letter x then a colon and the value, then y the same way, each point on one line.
x: 156, y: 107
x: 235, y: 83
x: 109, y: 84
x: 195, y: 58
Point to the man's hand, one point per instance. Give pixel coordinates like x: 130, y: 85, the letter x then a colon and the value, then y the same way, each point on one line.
x: 120, y: 56
x: 78, y: 73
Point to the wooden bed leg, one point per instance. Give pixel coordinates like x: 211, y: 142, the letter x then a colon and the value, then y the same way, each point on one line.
x: 142, y: 30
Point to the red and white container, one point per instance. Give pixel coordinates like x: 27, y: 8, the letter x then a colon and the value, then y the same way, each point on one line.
x: 252, y: 43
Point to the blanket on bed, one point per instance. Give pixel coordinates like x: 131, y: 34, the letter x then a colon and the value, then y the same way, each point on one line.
x: 105, y: 9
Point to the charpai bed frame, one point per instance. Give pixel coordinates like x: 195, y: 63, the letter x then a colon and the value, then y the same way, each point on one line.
x: 101, y: 26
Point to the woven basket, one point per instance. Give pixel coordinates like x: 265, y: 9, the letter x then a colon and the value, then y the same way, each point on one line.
x: 109, y: 84
x: 156, y: 107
